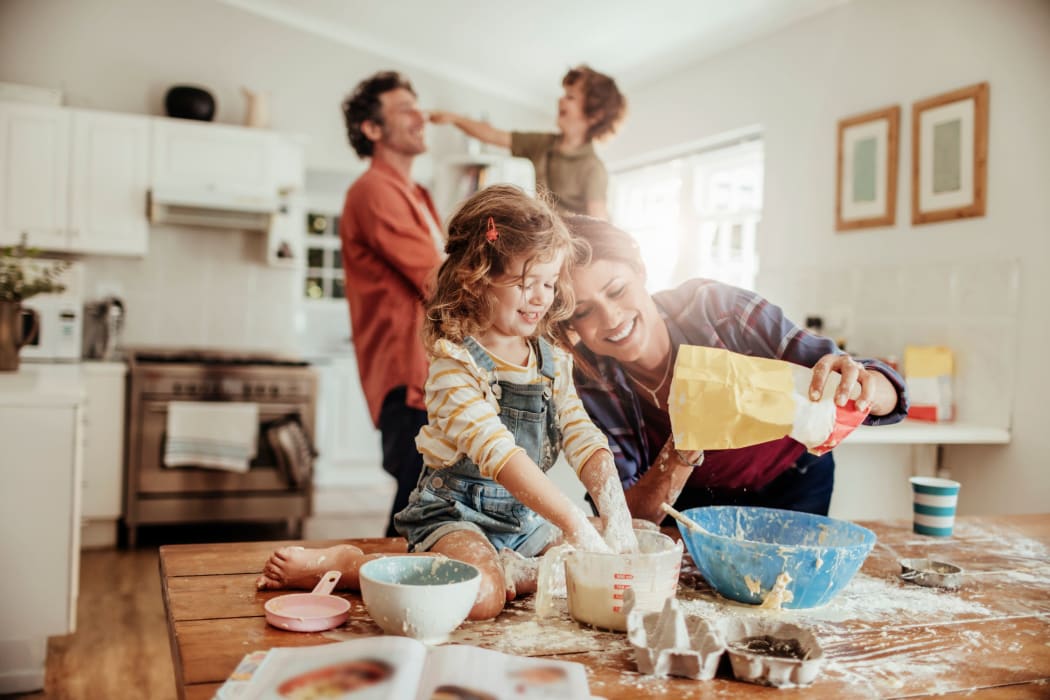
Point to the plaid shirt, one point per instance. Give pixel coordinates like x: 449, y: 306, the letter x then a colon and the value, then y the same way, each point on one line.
x: 712, y: 314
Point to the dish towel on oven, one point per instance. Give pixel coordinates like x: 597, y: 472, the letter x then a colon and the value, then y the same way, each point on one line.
x: 211, y: 434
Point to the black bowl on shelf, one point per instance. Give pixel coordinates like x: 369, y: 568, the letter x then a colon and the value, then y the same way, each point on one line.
x: 189, y: 102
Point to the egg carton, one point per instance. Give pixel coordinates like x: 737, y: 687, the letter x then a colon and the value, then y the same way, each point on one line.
x: 770, y: 652
x: 671, y: 643
x: 765, y: 652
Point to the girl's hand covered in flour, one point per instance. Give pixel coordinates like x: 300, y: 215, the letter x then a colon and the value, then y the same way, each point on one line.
x: 585, y: 538
x: 618, y: 530
x: 603, y: 484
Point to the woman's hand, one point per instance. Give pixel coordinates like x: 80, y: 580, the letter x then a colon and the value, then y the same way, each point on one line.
x: 871, y: 389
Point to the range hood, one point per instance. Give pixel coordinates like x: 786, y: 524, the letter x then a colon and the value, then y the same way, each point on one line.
x: 212, y: 207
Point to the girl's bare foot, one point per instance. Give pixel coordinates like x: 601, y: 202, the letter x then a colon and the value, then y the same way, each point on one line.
x: 298, y: 567
x: 519, y: 573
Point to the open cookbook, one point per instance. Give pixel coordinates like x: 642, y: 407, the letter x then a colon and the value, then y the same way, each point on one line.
x: 400, y: 668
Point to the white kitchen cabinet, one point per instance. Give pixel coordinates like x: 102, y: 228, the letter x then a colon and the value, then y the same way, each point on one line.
x: 284, y: 242
x: 289, y: 162
x: 349, y: 445
x: 34, y: 175
x: 40, y: 519
x: 202, y: 156
x: 109, y: 176
x: 73, y: 180
x: 199, y: 157
x: 103, y: 474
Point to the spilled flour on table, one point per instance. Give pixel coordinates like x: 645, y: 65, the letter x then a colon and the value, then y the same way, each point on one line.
x: 866, y: 605
x: 519, y: 631
x: 865, y: 599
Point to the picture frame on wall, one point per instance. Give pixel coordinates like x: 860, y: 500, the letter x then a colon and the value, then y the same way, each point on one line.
x: 950, y: 155
x: 866, y: 183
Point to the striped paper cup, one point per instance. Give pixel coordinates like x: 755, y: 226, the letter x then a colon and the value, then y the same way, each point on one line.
x: 934, y: 506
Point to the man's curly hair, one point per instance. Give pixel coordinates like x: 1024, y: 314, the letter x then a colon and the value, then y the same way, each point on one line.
x: 363, y: 105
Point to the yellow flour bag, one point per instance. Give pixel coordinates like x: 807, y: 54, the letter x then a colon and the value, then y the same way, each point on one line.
x: 721, y: 399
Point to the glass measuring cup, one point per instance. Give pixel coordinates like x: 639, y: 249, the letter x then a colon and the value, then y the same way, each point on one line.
x: 595, y: 583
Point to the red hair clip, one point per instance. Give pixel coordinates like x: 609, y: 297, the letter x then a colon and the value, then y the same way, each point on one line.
x: 491, y: 233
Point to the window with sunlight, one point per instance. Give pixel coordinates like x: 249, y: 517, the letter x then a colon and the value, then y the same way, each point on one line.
x: 696, y: 214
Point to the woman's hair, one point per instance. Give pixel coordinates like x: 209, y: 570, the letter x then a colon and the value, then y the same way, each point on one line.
x: 597, y: 239
x: 363, y: 105
x: 602, y: 100
x: 594, y: 240
x: 461, y: 304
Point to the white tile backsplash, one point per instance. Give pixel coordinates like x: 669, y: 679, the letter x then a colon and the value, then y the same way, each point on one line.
x: 991, y: 290
x: 204, y: 288
x: 226, y: 324
x: 986, y: 357
x: 924, y: 293
x: 969, y: 306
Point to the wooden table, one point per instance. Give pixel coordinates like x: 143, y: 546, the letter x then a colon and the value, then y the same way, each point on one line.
x: 882, y: 637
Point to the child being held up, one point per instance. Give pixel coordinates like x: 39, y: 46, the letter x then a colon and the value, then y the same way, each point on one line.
x: 566, y: 164
x: 501, y: 404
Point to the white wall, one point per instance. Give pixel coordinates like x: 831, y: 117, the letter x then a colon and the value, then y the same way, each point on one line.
x: 951, y: 283
x: 123, y: 55
x: 198, y: 286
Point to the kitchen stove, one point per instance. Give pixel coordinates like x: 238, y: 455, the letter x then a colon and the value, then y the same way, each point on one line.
x: 215, y: 357
x: 282, y: 388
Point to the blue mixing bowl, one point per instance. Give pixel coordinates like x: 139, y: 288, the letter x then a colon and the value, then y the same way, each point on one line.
x: 743, y: 550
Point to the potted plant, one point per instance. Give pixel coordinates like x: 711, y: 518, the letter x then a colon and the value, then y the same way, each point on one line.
x: 22, y: 277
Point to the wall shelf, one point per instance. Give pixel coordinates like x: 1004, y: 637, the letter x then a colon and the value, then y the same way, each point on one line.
x: 913, y: 432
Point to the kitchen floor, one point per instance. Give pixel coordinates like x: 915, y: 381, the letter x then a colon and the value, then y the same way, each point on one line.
x: 121, y: 649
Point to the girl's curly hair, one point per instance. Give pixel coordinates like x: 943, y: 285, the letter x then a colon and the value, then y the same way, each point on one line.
x: 461, y: 304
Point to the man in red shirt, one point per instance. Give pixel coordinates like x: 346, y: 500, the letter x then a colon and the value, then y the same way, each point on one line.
x: 392, y: 242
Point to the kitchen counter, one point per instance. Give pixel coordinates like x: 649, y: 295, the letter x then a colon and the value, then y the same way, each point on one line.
x: 51, y: 383
x: 882, y: 637
x: 41, y: 385
x: 926, y: 441
x: 873, y: 464
x: 914, y: 432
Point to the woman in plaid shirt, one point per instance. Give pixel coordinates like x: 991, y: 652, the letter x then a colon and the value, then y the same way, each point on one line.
x: 627, y: 343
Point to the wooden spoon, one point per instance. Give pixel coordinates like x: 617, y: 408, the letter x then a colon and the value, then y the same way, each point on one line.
x: 681, y: 518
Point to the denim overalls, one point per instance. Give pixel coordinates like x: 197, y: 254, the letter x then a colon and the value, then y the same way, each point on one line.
x: 460, y: 498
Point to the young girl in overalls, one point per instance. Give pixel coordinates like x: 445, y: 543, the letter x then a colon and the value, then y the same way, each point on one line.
x: 501, y: 405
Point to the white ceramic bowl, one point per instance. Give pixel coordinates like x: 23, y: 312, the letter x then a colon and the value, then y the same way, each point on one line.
x: 420, y: 597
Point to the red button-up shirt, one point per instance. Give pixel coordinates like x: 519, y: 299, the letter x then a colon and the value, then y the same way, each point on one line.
x: 389, y: 258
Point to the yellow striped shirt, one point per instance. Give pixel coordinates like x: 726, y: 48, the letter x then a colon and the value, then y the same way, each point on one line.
x: 462, y: 418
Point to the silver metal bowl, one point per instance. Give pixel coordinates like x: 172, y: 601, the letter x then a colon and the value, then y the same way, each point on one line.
x: 928, y: 572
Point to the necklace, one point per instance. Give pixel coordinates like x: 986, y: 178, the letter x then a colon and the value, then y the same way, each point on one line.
x: 656, y: 390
